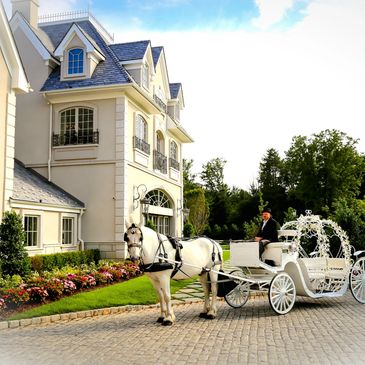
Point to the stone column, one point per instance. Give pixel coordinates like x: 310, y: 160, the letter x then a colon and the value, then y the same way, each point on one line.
x: 9, y: 151
x: 121, y: 194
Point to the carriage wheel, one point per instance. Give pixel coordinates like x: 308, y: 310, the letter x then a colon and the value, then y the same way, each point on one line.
x: 238, y: 297
x: 357, y: 280
x: 282, y: 293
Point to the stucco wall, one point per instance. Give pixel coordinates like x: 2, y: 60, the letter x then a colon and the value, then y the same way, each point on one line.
x: 4, y: 88
x: 33, y: 110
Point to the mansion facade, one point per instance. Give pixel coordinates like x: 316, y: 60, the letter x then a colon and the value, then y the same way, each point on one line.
x: 101, y: 128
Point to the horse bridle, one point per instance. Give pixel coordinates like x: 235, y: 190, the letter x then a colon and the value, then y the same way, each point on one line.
x: 126, y: 238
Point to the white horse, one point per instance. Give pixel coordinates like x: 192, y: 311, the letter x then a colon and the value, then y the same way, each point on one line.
x: 199, y: 257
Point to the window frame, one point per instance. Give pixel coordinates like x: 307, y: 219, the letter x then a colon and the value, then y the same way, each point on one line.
x: 70, y: 233
x: 80, y: 60
x: 37, y: 231
x: 75, y: 136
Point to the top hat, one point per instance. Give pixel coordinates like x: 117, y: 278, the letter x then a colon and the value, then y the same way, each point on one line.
x: 266, y: 210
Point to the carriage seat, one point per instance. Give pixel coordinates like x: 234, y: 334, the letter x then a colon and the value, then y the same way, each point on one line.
x: 287, y: 235
x: 274, y: 251
x: 336, y: 268
x: 315, y: 267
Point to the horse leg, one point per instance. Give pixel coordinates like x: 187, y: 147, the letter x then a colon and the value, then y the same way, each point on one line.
x: 165, y: 286
x: 203, y: 278
x: 212, y: 313
x: 161, y: 298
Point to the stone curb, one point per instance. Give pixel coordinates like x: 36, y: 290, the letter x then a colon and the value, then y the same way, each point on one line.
x: 97, y: 312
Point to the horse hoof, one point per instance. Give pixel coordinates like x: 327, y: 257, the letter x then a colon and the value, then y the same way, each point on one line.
x: 203, y: 315
x: 167, y: 323
x: 210, y: 316
x: 159, y: 320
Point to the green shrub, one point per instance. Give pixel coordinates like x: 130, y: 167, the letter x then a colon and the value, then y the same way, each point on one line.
x: 151, y: 225
x: 189, y: 230
x: 41, y: 263
x: 13, y: 255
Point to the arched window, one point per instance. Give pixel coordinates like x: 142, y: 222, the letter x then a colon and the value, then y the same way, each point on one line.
x: 140, y: 139
x: 162, y: 221
x: 159, y: 158
x: 76, y: 61
x: 158, y: 198
x: 76, y: 127
x: 160, y: 143
x: 174, y: 157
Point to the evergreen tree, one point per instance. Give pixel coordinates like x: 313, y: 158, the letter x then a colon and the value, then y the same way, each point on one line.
x: 13, y: 255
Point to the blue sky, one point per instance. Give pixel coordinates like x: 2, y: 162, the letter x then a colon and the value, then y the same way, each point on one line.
x: 255, y: 73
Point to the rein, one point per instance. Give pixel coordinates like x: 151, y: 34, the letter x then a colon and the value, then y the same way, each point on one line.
x: 161, y: 255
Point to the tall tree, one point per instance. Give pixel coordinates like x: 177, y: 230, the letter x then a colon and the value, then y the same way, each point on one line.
x: 321, y: 169
x: 271, y: 182
x: 189, y: 178
x: 213, y: 175
x: 216, y: 191
x: 199, y: 209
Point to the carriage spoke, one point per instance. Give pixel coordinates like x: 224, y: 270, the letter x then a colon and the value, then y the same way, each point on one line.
x: 357, y: 280
x: 282, y: 293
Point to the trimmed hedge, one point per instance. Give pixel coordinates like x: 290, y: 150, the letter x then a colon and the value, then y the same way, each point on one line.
x: 59, y: 260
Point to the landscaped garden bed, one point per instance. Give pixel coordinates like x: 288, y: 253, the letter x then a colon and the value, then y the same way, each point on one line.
x: 18, y: 294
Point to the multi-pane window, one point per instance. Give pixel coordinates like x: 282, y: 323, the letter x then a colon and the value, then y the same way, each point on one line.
x: 77, y: 126
x: 174, y: 162
x: 173, y: 151
x: 141, y: 128
x: 158, y: 198
x: 140, y: 140
x: 76, y: 61
x: 31, y: 228
x: 160, y: 143
x: 162, y: 223
x: 67, y: 230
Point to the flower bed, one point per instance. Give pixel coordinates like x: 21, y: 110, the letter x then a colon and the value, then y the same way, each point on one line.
x: 48, y: 286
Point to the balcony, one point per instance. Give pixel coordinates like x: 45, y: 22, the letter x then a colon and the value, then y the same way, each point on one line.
x: 174, y: 164
x: 75, y: 138
x: 141, y: 145
x: 159, y: 162
x: 160, y: 103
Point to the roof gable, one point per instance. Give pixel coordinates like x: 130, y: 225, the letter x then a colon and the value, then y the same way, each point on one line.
x: 89, y: 43
x: 130, y: 51
x: 107, y: 72
x: 18, y: 21
x: 11, y: 56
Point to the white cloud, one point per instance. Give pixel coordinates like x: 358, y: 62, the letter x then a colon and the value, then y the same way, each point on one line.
x: 248, y: 91
x: 271, y: 12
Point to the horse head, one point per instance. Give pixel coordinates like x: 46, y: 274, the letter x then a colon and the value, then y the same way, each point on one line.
x: 134, y: 238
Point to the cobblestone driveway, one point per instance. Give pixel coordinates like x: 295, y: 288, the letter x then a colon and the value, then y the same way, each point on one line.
x: 327, y: 331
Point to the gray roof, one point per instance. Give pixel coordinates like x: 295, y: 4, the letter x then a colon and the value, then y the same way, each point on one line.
x: 174, y: 90
x: 130, y: 51
x: 156, y: 52
x: 108, y: 72
x: 33, y: 187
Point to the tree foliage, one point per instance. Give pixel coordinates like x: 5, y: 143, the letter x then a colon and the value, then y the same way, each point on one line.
x: 13, y: 255
x: 199, y: 209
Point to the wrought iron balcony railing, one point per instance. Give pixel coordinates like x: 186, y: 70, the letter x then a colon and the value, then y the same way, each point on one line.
x: 141, y: 145
x: 174, y: 164
x: 159, y: 162
x: 160, y: 103
x: 74, y: 138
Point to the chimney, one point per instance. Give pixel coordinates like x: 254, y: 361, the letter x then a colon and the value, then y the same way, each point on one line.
x: 28, y: 8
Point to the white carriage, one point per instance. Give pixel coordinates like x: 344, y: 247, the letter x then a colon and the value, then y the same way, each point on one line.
x: 313, y: 258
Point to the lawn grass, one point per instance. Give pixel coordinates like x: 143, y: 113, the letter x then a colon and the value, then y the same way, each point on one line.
x: 135, y: 291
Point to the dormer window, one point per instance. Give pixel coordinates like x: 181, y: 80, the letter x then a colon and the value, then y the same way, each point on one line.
x: 76, y: 61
